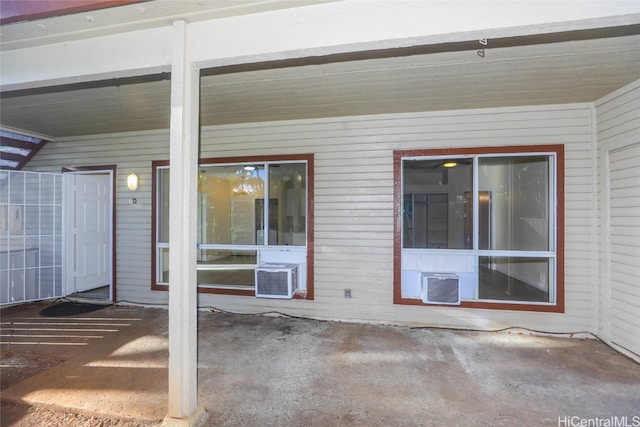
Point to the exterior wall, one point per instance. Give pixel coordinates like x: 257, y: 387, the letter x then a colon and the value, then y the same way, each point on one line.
x: 618, y: 289
x: 130, y: 152
x: 354, y: 205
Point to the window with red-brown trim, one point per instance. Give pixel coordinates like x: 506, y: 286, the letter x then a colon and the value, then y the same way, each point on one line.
x: 237, y: 229
x: 480, y: 227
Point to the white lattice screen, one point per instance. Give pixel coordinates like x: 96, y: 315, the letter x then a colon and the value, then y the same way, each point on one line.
x: 30, y: 236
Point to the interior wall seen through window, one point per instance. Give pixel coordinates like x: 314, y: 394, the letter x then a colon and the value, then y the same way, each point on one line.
x: 232, y: 208
x: 437, y: 203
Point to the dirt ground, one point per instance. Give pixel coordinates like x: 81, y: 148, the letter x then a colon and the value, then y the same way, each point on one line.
x: 30, y: 416
x: 18, y: 367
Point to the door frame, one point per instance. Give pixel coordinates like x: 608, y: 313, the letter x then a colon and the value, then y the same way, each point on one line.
x: 68, y: 204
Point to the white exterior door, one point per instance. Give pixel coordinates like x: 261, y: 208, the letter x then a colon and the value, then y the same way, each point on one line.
x: 624, y: 246
x: 92, y: 231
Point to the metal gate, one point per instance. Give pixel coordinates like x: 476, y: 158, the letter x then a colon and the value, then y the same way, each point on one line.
x: 30, y: 236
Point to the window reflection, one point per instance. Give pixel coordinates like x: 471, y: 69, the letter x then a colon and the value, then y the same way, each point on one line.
x: 287, y: 216
x: 519, y: 205
x: 163, y: 205
x: 515, y: 279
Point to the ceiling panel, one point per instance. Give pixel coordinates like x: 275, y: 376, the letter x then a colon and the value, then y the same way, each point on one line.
x: 580, y: 71
x: 559, y: 73
x: 90, y: 111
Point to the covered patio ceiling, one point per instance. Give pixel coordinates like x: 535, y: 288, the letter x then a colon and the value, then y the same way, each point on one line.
x: 565, y: 72
x: 556, y: 68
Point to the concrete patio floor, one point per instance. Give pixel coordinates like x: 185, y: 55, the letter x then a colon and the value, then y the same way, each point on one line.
x: 281, y: 371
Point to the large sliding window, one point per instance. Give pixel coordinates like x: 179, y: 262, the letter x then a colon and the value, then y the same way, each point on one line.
x: 250, y: 211
x: 491, y: 218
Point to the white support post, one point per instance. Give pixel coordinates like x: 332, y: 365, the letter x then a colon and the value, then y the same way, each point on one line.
x: 183, y: 160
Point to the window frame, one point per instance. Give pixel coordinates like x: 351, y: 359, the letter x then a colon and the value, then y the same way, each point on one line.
x: 212, y: 289
x: 400, y: 155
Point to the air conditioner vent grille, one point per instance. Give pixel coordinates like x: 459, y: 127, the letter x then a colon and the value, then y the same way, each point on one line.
x: 440, y: 288
x: 276, y: 280
x: 273, y: 282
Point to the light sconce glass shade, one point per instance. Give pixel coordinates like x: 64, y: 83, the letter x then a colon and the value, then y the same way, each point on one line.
x: 132, y: 182
x: 450, y: 164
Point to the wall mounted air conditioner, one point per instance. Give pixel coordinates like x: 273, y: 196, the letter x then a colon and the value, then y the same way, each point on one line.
x: 276, y: 280
x: 440, y: 288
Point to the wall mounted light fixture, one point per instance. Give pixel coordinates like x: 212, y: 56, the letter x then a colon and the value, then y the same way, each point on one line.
x: 132, y: 181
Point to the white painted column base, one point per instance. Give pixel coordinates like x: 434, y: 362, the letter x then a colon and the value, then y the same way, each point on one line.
x: 197, y: 418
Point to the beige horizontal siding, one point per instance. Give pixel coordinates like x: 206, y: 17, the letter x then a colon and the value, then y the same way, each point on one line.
x: 354, y: 215
x: 618, y: 296
x: 354, y: 199
x: 130, y: 152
